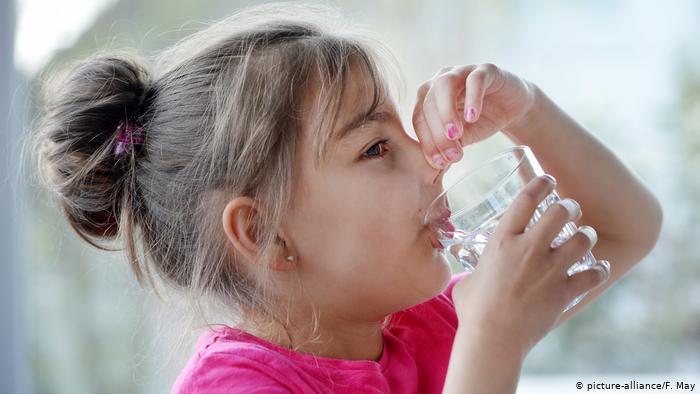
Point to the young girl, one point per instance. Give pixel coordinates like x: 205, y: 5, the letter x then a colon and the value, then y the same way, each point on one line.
x: 260, y: 167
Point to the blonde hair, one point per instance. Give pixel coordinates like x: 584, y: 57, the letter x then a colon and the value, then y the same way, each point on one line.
x: 221, y: 116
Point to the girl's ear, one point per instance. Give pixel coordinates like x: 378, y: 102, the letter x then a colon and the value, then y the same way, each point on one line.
x: 238, y: 219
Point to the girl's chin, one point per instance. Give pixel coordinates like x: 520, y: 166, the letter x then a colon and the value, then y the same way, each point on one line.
x: 433, y: 267
x: 439, y: 273
x: 444, y: 264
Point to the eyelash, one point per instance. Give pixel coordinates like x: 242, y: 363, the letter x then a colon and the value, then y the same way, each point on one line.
x: 372, y: 147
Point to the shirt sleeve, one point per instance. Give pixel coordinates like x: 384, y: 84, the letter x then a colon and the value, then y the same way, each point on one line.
x: 230, y: 373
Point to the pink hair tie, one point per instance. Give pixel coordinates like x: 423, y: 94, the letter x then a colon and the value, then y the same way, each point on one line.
x: 129, y: 135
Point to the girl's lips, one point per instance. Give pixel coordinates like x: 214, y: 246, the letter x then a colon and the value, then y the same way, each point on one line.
x: 444, y: 215
x: 443, y: 221
x: 434, y: 241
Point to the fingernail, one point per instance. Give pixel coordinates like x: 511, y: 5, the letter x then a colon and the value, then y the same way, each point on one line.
x: 439, y: 161
x: 571, y: 206
x: 452, y: 131
x: 603, y: 268
x: 590, y: 233
x: 551, y: 179
x: 470, y: 114
x: 452, y: 154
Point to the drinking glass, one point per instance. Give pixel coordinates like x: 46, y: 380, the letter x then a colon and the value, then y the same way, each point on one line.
x: 466, y: 214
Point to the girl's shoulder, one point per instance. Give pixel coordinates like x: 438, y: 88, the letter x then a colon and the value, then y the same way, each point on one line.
x: 229, y: 360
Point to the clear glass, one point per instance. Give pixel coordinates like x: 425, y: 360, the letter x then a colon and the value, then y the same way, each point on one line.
x: 466, y: 213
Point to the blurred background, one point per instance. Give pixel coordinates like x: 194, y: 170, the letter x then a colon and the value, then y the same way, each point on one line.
x: 73, y: 320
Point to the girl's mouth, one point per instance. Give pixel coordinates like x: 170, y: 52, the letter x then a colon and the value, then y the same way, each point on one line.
x: 434, y: 240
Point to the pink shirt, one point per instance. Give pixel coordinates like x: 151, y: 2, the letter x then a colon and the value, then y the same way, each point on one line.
x: 414, y: 359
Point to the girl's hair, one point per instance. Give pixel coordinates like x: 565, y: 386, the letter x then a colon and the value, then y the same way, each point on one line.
x: 221, y: 111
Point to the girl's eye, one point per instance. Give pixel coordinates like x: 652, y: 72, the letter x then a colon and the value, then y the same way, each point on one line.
x: 372, y: 152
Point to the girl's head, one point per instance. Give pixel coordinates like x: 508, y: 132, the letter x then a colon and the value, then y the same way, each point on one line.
x: 249, y: 158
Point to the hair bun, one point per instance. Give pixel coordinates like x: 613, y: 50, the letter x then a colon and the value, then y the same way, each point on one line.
x: 85, y: 102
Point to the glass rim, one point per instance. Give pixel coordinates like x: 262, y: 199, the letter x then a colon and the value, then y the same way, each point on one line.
x: 471, y: 171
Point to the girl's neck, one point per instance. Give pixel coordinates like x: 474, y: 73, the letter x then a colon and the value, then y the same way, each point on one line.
x: 346, y: 340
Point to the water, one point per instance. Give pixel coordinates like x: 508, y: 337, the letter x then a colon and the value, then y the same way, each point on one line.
x: 467, y: 246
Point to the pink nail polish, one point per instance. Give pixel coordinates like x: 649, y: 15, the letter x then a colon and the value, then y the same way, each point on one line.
x: 452, y: 131
x: 452, y: 154
x: 470, y: 114
x: 439, y: 161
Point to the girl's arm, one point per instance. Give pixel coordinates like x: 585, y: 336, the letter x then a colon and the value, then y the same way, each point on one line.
x: 614, y: 201
x: 515, y: 295
x: 506, y: 311
x: 481, y: 364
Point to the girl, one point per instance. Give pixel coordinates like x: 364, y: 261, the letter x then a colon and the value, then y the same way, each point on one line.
x: 261, y: 167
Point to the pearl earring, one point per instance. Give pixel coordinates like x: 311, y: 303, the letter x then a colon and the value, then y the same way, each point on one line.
x: 290, y: 258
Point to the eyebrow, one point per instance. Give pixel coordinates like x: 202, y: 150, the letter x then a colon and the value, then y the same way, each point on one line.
x: 353, y: 126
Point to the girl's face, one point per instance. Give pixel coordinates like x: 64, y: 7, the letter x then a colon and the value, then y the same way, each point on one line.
x: 355, y: 225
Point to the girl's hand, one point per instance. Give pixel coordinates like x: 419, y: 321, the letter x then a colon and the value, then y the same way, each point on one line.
x: 521, y: 285
x: 465, y: 104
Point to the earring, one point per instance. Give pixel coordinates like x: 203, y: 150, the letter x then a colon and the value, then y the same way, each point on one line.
x: 290, y: 258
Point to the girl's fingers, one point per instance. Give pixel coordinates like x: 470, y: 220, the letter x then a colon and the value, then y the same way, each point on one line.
x: 437, y: 118
x: 446, y: 95
x: 586, y: 280
x: 574, y: 248
x: 432, y: 152
x: 445, y: 90
x: 517, y: 216
x: 478, y: 81
x: 554, y: 219
x: 425, y: 136
x: 435, y: 125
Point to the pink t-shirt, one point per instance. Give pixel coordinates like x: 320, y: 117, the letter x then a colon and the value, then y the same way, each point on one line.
x: 417, y: 346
